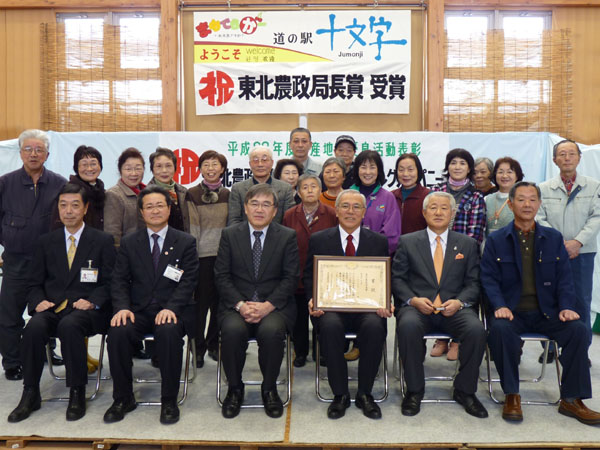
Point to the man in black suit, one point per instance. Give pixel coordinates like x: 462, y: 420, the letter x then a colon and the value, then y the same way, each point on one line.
x: 349, y: 239
x: 154, y: 279
x: 69, y: 297
x: 435, y: 282
x: 256, y: 273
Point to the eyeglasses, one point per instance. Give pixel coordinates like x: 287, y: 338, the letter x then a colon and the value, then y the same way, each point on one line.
x: 263, y: 160
x: 37, y: 150
x: 138, y: 169
x: 88, y: 165
x: 354, y: 207
x: 159, y: 206
x: 263, y: 205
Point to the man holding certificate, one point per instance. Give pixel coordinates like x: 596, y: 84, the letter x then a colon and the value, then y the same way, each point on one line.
x: 349, y: 239
x: 435, y: 282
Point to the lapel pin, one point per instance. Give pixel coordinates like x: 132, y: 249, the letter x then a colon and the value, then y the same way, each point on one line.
x: 166, y: 253
x: 455, y: 248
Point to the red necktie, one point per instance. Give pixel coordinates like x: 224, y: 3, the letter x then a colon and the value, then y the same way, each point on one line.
x: 350, y: 250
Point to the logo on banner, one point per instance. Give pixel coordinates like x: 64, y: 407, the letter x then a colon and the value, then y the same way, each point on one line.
x: 218, y: 88
x: 187, y: 166
x: 247, y: 25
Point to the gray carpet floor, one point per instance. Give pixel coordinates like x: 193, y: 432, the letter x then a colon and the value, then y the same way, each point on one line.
x: 201, y: 418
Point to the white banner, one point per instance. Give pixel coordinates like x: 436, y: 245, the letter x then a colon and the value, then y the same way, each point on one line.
x: 302, y: 62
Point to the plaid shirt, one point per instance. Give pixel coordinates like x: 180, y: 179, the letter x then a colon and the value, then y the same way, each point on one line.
x: 470, y: 215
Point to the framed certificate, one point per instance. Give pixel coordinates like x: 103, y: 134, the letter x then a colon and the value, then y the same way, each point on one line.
x: 351, y: 283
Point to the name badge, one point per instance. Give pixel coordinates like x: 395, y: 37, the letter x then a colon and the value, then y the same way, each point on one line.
x: 88, y: 275
x: 173, y: 273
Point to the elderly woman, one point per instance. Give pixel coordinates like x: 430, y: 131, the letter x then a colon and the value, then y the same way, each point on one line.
x: 289, y: 170
x: 121, y: 214
x: 306, y: 218
x: 333, y: 175
x: 410, y: 194
x: 507, y: 172
x: 482, y: 176
x: 162, y: 165
x: 208, y: 216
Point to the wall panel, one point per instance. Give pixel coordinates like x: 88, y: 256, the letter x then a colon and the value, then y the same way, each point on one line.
x: 3, y: 109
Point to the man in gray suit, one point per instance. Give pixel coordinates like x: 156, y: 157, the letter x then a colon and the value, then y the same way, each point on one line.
x: 261, y: 163
x: 435, y: 283
x: 256, y: 274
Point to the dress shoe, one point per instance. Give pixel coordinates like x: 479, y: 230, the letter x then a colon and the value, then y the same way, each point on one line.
x: 299, y: 361
x: 154, y: 361
x: 368, y: 406
x: 30, y: 401
x: 579, y: 411
x: 352, y: 355
x: 233, y: 403
x: 272, y: 403
x: 214, y: 354
x: 119, y: 408
x: 169, y: 412
x: 76, y: 408
x: 440, y: 347
x: 140, y: 353
x: 338, y: 407
x: 452, y: 354
x: 512, y: 408
x: 550, y: 360
x: 471, y: 404
x: 411, y: 405
x: 200, y: 362
x: 14, y: 373
x: 57, y: 360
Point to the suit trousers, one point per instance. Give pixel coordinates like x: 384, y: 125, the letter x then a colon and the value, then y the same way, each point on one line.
x: 207, y: 299
x: 71, y: 326
x: 168, y: 340
x: 572, y: 338
x: 269, y: 333
x: 582, y: 269
x: 371, y: 331
x: 301, y: 326
x: 464, y: 326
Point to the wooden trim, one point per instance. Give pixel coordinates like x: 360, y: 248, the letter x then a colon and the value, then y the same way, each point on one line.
x: 522, y: 4
x: 169, y: 25
x: 80, y: 5
x: 435, y: 66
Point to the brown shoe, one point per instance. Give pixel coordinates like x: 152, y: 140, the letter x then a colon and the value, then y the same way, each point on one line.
x: 579, y: 411
x: 440, y: 347
x: 512, y: 408
x: 352, y: 355
x: 452, y: 354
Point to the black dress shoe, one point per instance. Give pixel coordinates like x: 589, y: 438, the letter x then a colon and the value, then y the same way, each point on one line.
x: 57, y: 360
x: 200, y: 362
x: 551, y: 356
x: 169, y: 412
x: 233, y: 403
x: 368, y: 406
x: 272, y: 403
x: 471, y: 404
x: 338, y: 407
x: 76, y: 408
x: 214, y: 354
x: 411, y: 405
x: 154, y: 361
x: 14, y: 373
x: 30, y: 401
x: 119, y: 408
x: 300, y: 361
x: 140, y: 353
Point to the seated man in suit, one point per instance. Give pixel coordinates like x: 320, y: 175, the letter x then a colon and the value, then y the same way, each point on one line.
x: 256, y: 274
x: 435, y: 282
x: 261, y: 163
x: 527, y: 278
x: 349, y: 239
x: 154, y: 280
x: 68, y: 297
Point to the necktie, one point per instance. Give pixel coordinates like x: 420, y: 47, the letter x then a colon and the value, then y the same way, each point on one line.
x: 438, y: 263
x: 256, y: 254
x: 155, y: 251
x: 350, y: 250
x: 70, y: 257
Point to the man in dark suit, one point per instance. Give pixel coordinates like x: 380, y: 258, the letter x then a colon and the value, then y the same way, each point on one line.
x: 153, y: 281
x: 256, y: 273
x: 349, y: 239
x: 526, y: 275
x: 435, y: 282
x: 69, y: 297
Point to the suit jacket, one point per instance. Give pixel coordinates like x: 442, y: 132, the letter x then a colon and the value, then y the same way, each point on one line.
x: 52, y: 280
x: 413, y: 273
x: 135, y: 283
x: 501, y: 270
x: 277, y: 275
x: 236, y: 213
x: 329, y: 242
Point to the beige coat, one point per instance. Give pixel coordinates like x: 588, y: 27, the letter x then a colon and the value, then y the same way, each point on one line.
x: 121, y: 214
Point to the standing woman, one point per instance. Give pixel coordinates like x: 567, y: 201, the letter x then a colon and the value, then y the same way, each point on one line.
x: 482, y: 176
x: 410, y: 194
x: 289, y: 170
x: 382, y: 215
x: 208, y: 217
x: 507, y: 172
x: 121, y: 214
x: 334, y: 174
x: 162, y: 165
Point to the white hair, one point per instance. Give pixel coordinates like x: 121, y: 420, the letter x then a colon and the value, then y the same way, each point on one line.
x: 34, y: 134
x: 338, y: 199
x: 439, y: 194
x: 260, y: 148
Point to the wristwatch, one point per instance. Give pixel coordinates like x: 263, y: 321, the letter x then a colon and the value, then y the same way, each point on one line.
x: 239, y: 305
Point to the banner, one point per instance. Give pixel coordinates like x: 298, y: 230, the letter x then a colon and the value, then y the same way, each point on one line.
x: 282, y: 62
